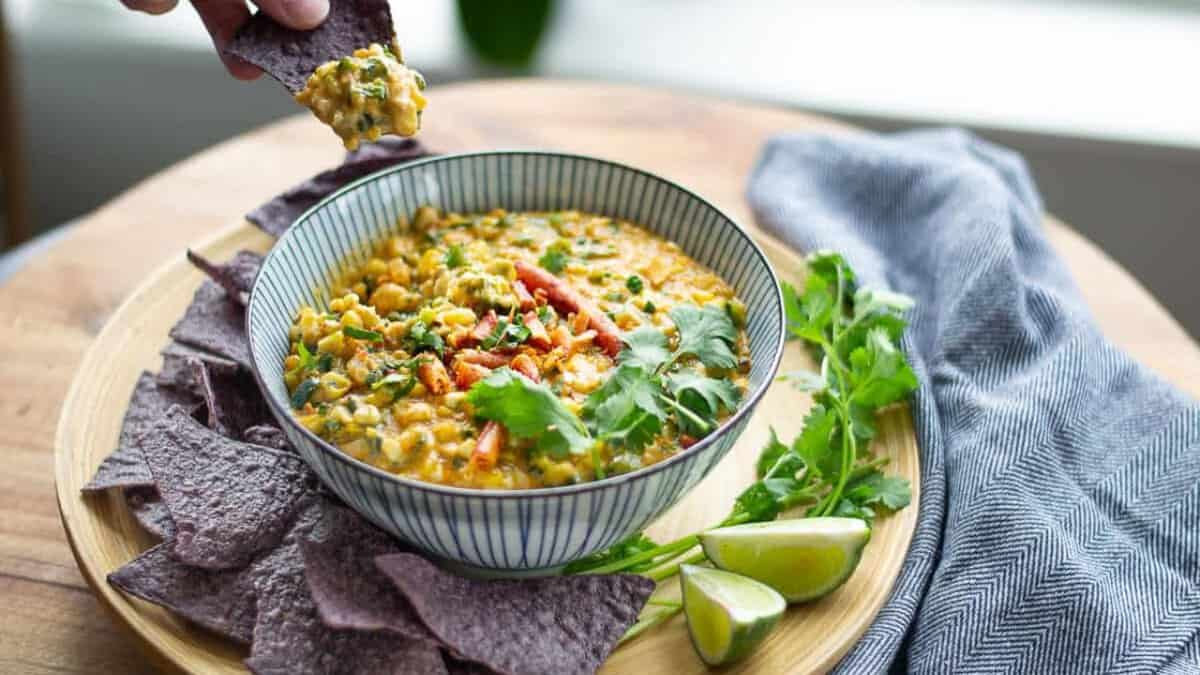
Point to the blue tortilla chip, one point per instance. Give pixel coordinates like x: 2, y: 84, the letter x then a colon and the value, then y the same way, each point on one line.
x: 546, y: 626
x: 233, y: 399
x: 235, y: 276
x: 290, y: 56
x: 219, y: 600
x: 177, y: 371
x: 289, y: 635
x: 215, y: 323
x: 150, y: 512
x: 126, y: 466
x: 349, y: 591
x: 267, y: 435
x: 228, y: 499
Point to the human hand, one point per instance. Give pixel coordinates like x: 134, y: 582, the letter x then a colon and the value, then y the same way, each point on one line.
x: 222, y: 18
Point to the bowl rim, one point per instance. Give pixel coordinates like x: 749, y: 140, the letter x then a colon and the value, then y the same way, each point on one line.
x: 744, y: 411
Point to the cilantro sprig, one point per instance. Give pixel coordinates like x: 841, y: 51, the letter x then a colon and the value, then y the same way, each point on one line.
x: 649, y: 389
x: 827, y: 469
x: 507, y: 333
x: 530, y: 410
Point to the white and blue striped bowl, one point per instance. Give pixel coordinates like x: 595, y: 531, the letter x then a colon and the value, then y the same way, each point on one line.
x: 526, y: 531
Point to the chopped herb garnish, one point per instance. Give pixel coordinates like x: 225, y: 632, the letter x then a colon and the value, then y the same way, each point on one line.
x: 303, y: 392
x: 455, y: 257
x: 554, y: 260
x: 325, y: 363
x: 375, y: 90
x: 422, y: 338
x: 400, y: 385
x: 362, y: 334
x: 507, y: 333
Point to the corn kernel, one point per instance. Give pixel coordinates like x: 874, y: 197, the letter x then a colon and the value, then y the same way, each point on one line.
x: 445, y: 432
x: 367, y: 415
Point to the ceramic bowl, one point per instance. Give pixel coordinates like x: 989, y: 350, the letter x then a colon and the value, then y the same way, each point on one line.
x: 525, y: 531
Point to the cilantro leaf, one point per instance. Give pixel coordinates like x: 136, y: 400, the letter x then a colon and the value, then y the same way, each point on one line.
x: 891, y: 492
x: 421, y: 337
x: 813, y: 311
x: 816, y: 442
x: 645, y: 347
x: 626, y: 409
x: 829, y: 266
x: 704, y: 396
x: 706, y: 332
x: 362, y: 334
x: 869, y: 301
x: 554, y: 260
x: 770, y: 454
x: 879, y: 373
x: 529, y: 410
x: 780, y: 488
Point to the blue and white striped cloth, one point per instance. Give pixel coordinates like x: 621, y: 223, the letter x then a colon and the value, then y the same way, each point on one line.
x: 1059, y: 527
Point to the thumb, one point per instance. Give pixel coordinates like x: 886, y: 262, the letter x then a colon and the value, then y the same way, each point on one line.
x: 296, y: 14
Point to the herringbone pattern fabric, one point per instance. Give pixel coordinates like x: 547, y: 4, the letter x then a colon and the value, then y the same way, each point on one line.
x: 1059, y: 529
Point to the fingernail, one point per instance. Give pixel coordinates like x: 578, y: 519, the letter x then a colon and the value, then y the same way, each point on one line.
x: 306, y: 13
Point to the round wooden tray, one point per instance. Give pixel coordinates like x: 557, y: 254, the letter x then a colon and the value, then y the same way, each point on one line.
x: 103, y: 534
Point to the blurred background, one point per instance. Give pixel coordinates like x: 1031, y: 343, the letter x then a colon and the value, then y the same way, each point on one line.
x: 1100, y: 96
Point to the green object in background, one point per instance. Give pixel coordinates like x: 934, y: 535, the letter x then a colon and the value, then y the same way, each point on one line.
x: 505, y: 33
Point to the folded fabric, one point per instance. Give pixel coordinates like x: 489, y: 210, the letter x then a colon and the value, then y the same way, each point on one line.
x: 1059, y: 524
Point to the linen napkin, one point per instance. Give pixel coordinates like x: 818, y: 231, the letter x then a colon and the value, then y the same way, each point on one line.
x: 1059, y: 524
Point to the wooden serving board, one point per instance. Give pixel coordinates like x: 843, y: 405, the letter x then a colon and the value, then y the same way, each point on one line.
x: 103, y: 534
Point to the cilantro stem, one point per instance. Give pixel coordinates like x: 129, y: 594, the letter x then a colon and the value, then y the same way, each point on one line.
x: 649, y: 622
x: 674, y: 548
x: 702, y: 425
x: 663, y: 603
x: 673, y: 568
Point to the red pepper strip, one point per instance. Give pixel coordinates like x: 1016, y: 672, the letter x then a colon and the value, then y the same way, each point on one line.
x: 486, y: 359
x: 433, y: 375
x: 467, y: 374
x: 538, y: 337
x: 525, y: 365
x: 566, y: 300
x: 482, y: 329
x: 523, y: 296
x: 487, y: 448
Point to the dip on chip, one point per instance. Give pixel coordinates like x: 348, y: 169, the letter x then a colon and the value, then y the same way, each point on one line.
x: 366, y: 95
x: 348, y: 70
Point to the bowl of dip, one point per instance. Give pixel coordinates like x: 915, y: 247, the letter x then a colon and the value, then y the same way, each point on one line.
x: 513, y: 360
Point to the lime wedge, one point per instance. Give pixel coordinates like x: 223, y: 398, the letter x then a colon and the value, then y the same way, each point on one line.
x: 727, y: 614
x: 803, y: 558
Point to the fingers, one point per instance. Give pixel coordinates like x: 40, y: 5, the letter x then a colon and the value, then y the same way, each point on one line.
x: 222, y: 18
x: 297, y: 14
x: 151, y: 6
